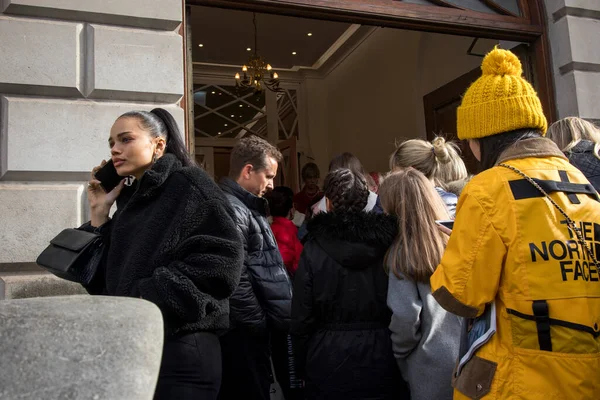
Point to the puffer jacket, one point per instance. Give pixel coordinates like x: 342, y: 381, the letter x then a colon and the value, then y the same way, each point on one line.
x: 263, y: 298
x: 510, y: 246
x: 582, y: 156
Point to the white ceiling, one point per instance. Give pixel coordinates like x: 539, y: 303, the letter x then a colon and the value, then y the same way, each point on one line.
x: 226, y: 34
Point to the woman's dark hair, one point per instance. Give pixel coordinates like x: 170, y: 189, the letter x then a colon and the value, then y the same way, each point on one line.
x: 351, y: 162
x: 492, y: 146
x: 310, y: 171
x: 346, y: 190
x: 281, y: 201
x: 160, y: 123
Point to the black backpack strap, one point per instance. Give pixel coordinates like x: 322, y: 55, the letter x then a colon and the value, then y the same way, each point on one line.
x: 542, y: 322
x: 522, y: 189
x: 565, y: 178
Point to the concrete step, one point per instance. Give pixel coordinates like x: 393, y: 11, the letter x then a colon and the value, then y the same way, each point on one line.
x: 26, y: 284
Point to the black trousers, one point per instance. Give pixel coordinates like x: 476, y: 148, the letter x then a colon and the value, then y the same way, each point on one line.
x: 190, y: 367
x: 246, y: 366
x: 284, y: 364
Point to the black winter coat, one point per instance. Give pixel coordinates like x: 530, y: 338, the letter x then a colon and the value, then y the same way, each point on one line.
x: 173, y: 242
x: 583, y: 158
x: 263, y: 298
x: 340, y: 317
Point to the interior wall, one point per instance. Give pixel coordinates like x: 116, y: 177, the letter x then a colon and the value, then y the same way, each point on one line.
x: 371, y: 97
x: 375, y: 96
x: 312, y: 142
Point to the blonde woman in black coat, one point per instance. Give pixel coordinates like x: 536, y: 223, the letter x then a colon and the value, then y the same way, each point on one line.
x: 580, y: 141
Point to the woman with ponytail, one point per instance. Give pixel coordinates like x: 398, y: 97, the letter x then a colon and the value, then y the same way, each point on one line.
x: 438, y: 160
x: 173, y: 242
x: 339, y: 314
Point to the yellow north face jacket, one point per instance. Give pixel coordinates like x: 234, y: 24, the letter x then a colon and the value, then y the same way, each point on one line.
x: 510, y: 246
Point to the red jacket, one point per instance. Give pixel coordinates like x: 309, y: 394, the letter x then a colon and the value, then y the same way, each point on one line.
x: 286, y: 234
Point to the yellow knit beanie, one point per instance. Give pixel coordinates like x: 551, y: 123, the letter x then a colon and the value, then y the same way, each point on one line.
x: 500, y: 100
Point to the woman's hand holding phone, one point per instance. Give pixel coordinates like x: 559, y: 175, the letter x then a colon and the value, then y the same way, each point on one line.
x: 100, y: 201
x: 445, y: 226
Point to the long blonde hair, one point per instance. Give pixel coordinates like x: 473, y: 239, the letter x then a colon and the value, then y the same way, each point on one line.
x: 419, y: 246
x: 569, y: 131
x: 438, y: 160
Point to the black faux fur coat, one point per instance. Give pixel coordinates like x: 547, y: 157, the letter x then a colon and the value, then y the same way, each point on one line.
x: 340, y: 316
x: 173, y: 241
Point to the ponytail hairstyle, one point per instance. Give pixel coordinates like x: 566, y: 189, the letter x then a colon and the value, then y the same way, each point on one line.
x: 346, y: 190
x: 160, y: 123
x: 419, y: 246
x: 438, y: 160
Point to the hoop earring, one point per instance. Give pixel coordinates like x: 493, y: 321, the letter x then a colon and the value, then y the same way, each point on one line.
x: 154, y: 158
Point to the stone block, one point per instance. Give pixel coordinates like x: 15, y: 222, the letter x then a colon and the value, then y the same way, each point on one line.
x: 164, y: 14
x: 58, y: 139
x: 552, y: 6
x: 27, y: 285
x: 134, y: 65
x: 588, y: 95
x: 592, y: 5
x: 40, y: 57
x: 583, y: 35
x: 32, y: 214
x: 559, y: 42
x: 556, y: 9
x: 80, y: 347
x: 566, y: 99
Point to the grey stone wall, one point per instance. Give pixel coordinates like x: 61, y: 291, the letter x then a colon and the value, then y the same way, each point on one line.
x: 68, y: 69
x: 574, y: 32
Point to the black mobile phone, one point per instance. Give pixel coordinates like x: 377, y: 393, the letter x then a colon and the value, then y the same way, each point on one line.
x: 447, y: 223
x: 108, y: 177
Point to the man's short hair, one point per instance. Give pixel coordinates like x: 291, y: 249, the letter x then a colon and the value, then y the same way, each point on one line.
x: 310, y: 171
x: 254, y: 151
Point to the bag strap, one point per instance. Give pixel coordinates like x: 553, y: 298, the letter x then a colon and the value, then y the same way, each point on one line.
x: 570, y: 223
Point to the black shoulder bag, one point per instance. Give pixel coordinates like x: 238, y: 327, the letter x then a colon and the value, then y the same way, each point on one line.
x: 74, y: 255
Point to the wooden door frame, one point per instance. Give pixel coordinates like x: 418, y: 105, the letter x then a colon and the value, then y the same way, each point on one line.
x: 530, y: 28
x: 292, y: 170
x: 438, y: 98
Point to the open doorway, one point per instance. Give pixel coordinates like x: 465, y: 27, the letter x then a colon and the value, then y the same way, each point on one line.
x: 348, y: 86
x: 344, y: 87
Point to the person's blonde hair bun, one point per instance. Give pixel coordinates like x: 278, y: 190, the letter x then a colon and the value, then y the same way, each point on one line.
x: 440, y: 150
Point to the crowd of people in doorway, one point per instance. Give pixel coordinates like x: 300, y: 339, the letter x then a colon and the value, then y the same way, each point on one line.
x: 355, y: 289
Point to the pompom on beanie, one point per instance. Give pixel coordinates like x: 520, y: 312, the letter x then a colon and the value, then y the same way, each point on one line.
x: 501, y: 100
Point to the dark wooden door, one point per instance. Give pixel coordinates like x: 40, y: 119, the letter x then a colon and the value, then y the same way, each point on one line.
x: 440, y: 113
x: 287, y: 174
x: 222, y: 156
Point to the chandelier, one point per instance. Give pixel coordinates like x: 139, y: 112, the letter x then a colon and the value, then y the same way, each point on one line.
x: 257, y: 74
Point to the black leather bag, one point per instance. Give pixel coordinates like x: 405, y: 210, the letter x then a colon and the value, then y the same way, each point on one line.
x: 73, y: 255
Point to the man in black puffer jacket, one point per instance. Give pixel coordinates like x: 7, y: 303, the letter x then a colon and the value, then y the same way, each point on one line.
x: 262, y: 302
